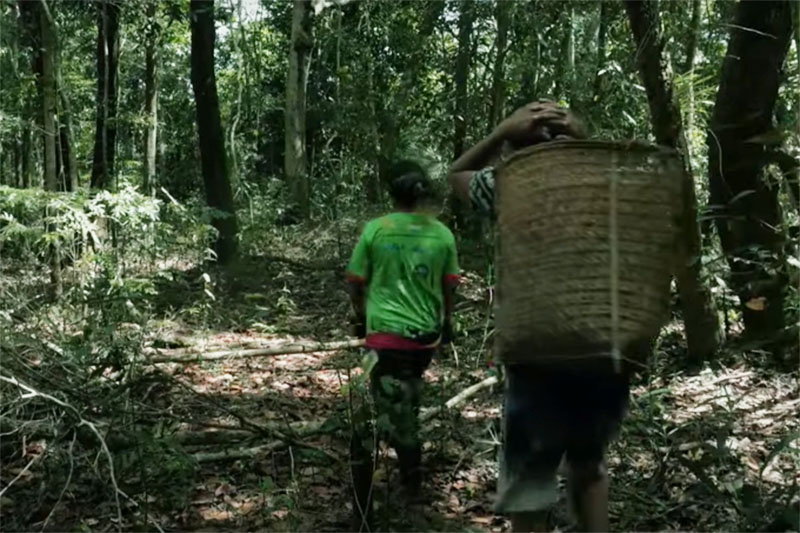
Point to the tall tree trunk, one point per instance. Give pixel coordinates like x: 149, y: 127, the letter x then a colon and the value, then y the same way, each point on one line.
x: 216, y: 179
x: 688, y: 67
x: 66, y: 162
x: 30, y: 22
x: 50, y: 132
x: 25, y: 140
x: 465, y: 20
x: 749, y: 218
x: 295, y: 162
x: 602, y: 32
x: 570, y: 59
x: 700, y: 317
x: 460, y: 111
x: 69, y: 177
x: 796, y: 6
x: 150, y: 99
x: 49, y: 101
x: 107, y: 74
x: 502, y: 15
x: 375, y: 106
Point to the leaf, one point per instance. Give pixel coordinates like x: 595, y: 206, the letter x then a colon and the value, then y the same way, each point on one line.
x: 793, y: 261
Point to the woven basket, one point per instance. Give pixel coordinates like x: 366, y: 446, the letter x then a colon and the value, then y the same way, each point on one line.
x: 587, y: 245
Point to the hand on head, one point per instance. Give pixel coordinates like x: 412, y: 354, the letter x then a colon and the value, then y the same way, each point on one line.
x: 540, y: 122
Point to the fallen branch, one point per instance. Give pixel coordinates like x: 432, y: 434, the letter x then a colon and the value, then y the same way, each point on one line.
x: 459, y: 398
x: 29, y: 392
x: 285, y: 349
x: 242, y: 453
x: 249, y: 453
x: 314, y: 427
x: 233, y: 434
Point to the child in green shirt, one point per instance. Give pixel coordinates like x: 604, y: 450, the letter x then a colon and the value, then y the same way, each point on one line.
x: 402, y: 277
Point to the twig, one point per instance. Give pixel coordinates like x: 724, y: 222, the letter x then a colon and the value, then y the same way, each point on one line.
x: 21, y: 473
x: 66, y: 485
x: 730, y: 377
x: 30, y: 392
x: 286, y: 349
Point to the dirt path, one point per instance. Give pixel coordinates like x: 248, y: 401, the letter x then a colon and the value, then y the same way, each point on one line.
x: 702, y: 451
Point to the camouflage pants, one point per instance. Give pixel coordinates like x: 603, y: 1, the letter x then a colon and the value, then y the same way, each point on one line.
x: 396, y: 385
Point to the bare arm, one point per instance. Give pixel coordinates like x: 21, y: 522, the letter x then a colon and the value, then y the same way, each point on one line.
x: 528, y: 125
x: 473, y: 159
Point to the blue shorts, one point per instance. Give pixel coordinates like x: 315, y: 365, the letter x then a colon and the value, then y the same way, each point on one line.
x: 552, y: 414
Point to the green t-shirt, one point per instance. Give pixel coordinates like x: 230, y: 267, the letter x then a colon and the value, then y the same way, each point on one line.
x: 404, y: 258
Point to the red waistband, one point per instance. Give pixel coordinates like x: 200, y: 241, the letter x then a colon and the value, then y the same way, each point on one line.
x: 390, y: 341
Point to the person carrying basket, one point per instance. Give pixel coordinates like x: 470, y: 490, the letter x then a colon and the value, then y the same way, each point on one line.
x: 550, y: 413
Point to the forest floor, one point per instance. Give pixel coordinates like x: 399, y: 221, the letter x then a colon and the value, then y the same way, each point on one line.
x: 262, y: 443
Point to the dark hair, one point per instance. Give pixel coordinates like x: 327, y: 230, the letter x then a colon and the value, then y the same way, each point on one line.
x: 409, y: 183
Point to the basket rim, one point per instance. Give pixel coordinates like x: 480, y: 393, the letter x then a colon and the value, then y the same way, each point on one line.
x: 593, y: 144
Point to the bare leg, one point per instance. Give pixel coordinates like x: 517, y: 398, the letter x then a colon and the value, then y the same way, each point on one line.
x: 527, y: 522
x: 588, y: 488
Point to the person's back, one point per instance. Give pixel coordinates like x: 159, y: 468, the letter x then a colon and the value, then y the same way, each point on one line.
x: 406, y: 257
x: 402, y: 275
x: 550, y: 413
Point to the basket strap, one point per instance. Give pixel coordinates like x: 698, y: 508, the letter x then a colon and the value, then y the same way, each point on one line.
x: 613, y: 238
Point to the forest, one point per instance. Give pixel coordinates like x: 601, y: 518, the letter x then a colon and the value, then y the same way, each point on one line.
x: 182, y: 183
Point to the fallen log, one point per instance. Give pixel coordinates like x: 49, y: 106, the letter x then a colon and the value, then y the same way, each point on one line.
x: 284, y: 349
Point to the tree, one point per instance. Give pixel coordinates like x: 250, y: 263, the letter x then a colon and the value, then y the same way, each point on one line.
x: 213, y: 160
x: 602, y: 32
x: 700, y: 318
x: 150, y: 96
x: 107, y: 81
x: 66, y: 161
x: 295, y: 111
x: 461, y: 76
x: 502, y: 14
x: 691, y: 52
x: 27, y: 38
x: 748, y: 216
x: 39, y: 39
x: 565, y: 68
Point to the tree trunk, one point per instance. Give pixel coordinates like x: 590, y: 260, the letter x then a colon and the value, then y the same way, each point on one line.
x: 107, y: 74
x: 150, y: 99
x: 69, y: 178
x: 50, y: 132
x: 461, y: 77
x: 209, y: 128
x: 570, y: 59
x: 688, y: 67
x: 700, y: 317
x: 460, y: 111
x: 66, y: 162
x: 49, y: 101
x: 602, y: 32
x: 797, y: 64
x: 295, y: 115
x: 502, y: 15
x: 749, y: 217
